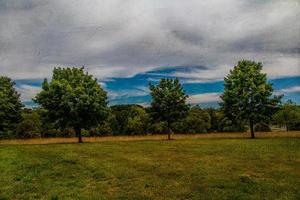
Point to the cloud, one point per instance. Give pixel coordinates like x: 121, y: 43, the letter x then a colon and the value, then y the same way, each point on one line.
x: 138, y: 91
x: 116, y: 38
x: 28, y: 92
x: 294, y: 89
x: 204, y: 98
x: 144, y: 104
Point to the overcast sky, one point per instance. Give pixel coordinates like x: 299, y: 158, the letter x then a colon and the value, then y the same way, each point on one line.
x: 124, y: 38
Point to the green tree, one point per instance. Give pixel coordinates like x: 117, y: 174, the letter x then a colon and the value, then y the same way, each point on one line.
x: 227, y: 123
x: 138, y: 123
x: 74, y: 99
x: 213, y: 115
x: 168, y: 102
x: 31, y: 125
x: 10, y: 106
x: 247, y: 95
x: 288, y: 115
x: 196, y: 121
x: 129, y: 119
x: 107, y: 126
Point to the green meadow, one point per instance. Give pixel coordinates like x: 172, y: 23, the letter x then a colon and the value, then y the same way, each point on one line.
x: 198, y: 168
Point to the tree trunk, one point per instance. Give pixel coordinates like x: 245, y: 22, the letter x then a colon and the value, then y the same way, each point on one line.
x: 78, y: 134
x: 252, y: 129
x: 287, y: 128
x: 169, y: 131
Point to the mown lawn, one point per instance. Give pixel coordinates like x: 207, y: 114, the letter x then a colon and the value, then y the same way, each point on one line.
x: 198, y: 168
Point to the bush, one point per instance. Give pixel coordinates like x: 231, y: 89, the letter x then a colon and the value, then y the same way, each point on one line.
x: 295, y: 127
x: 158, y: 128
x: 30, y: 126
x: 264, y: 127
x: 128, y: 120
x: 27, y: 129
x: 196, y: 121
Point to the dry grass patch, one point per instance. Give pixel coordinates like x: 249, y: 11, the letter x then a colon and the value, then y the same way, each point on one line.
x: 152, y: 137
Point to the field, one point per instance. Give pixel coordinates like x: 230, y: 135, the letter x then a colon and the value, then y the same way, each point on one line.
x: 217, y: 166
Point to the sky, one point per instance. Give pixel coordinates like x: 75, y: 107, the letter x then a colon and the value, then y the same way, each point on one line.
x: 128, y: 44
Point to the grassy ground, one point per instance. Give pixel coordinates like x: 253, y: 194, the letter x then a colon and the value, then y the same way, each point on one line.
x: 185, y: 168
x: 276, y: 134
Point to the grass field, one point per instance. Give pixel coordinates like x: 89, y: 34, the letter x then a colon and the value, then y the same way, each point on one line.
x: 216, y: 166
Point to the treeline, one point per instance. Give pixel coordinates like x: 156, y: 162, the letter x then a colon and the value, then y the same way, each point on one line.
x: 74, y: 104
x: 136, y: 120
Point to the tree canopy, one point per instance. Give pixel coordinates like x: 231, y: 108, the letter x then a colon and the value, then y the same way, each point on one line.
x: 10, y: 105
x: 196, y: 121
x: 168, y: 102
x: 74, y: 99
x: 247, y: 94
x: 288, y: 115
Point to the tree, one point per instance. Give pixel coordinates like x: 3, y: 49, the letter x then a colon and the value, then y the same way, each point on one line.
x: 74, y: 99
x: 129, y: 119
x: 137, y: 124
x: 196, y: 121
x: 168, y: 102
x: 10, y: 105
x: 31, y: 125
x: 227, y: 123
x: 247, y: 95
x: 288, y: 115
x: 213, y: 115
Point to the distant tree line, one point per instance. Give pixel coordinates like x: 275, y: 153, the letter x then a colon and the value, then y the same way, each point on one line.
x: 74, y: 104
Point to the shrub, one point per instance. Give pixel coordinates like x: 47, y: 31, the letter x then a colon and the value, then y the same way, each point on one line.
x: 264, y: 127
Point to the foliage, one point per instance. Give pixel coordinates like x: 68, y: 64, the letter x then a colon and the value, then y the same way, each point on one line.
x: 10, y: 107
x: 74, y: 99
x: 228, y: 124
x: 247, y: 95
x: 158, y: 127
x: 196, y: 121
x: 129, y: 120
x: 30, y: 126
x: 288, y: 116
x: 214, y: 119
x: 139, y: 122
x: 265, y: 127
x: 168, y: 102
x: 221, y: 123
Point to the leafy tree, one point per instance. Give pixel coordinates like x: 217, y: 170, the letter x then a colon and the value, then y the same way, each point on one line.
x: 31, y: 125
x: 10, y: 105
x: 107, y: 126
x: 262, y: 126
x: 74, y: 99
x: 121, y: 115
x: 158, y: 127
x: 138, y: 123
x: 288, y: 115
x: 168, y: 102
x: 129, y: 119
x: 213, y: 115
x: 196, y: 121
x: 247, y: 95
x: 227, y: 123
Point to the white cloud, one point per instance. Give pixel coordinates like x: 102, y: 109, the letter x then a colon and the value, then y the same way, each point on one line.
x: 294, y: 89
x: 204, y: 98
x: 136, y: 92
x: 204, y: 75
x: 144, y: 104
x: 117, y: 38
x: 28, y: 92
